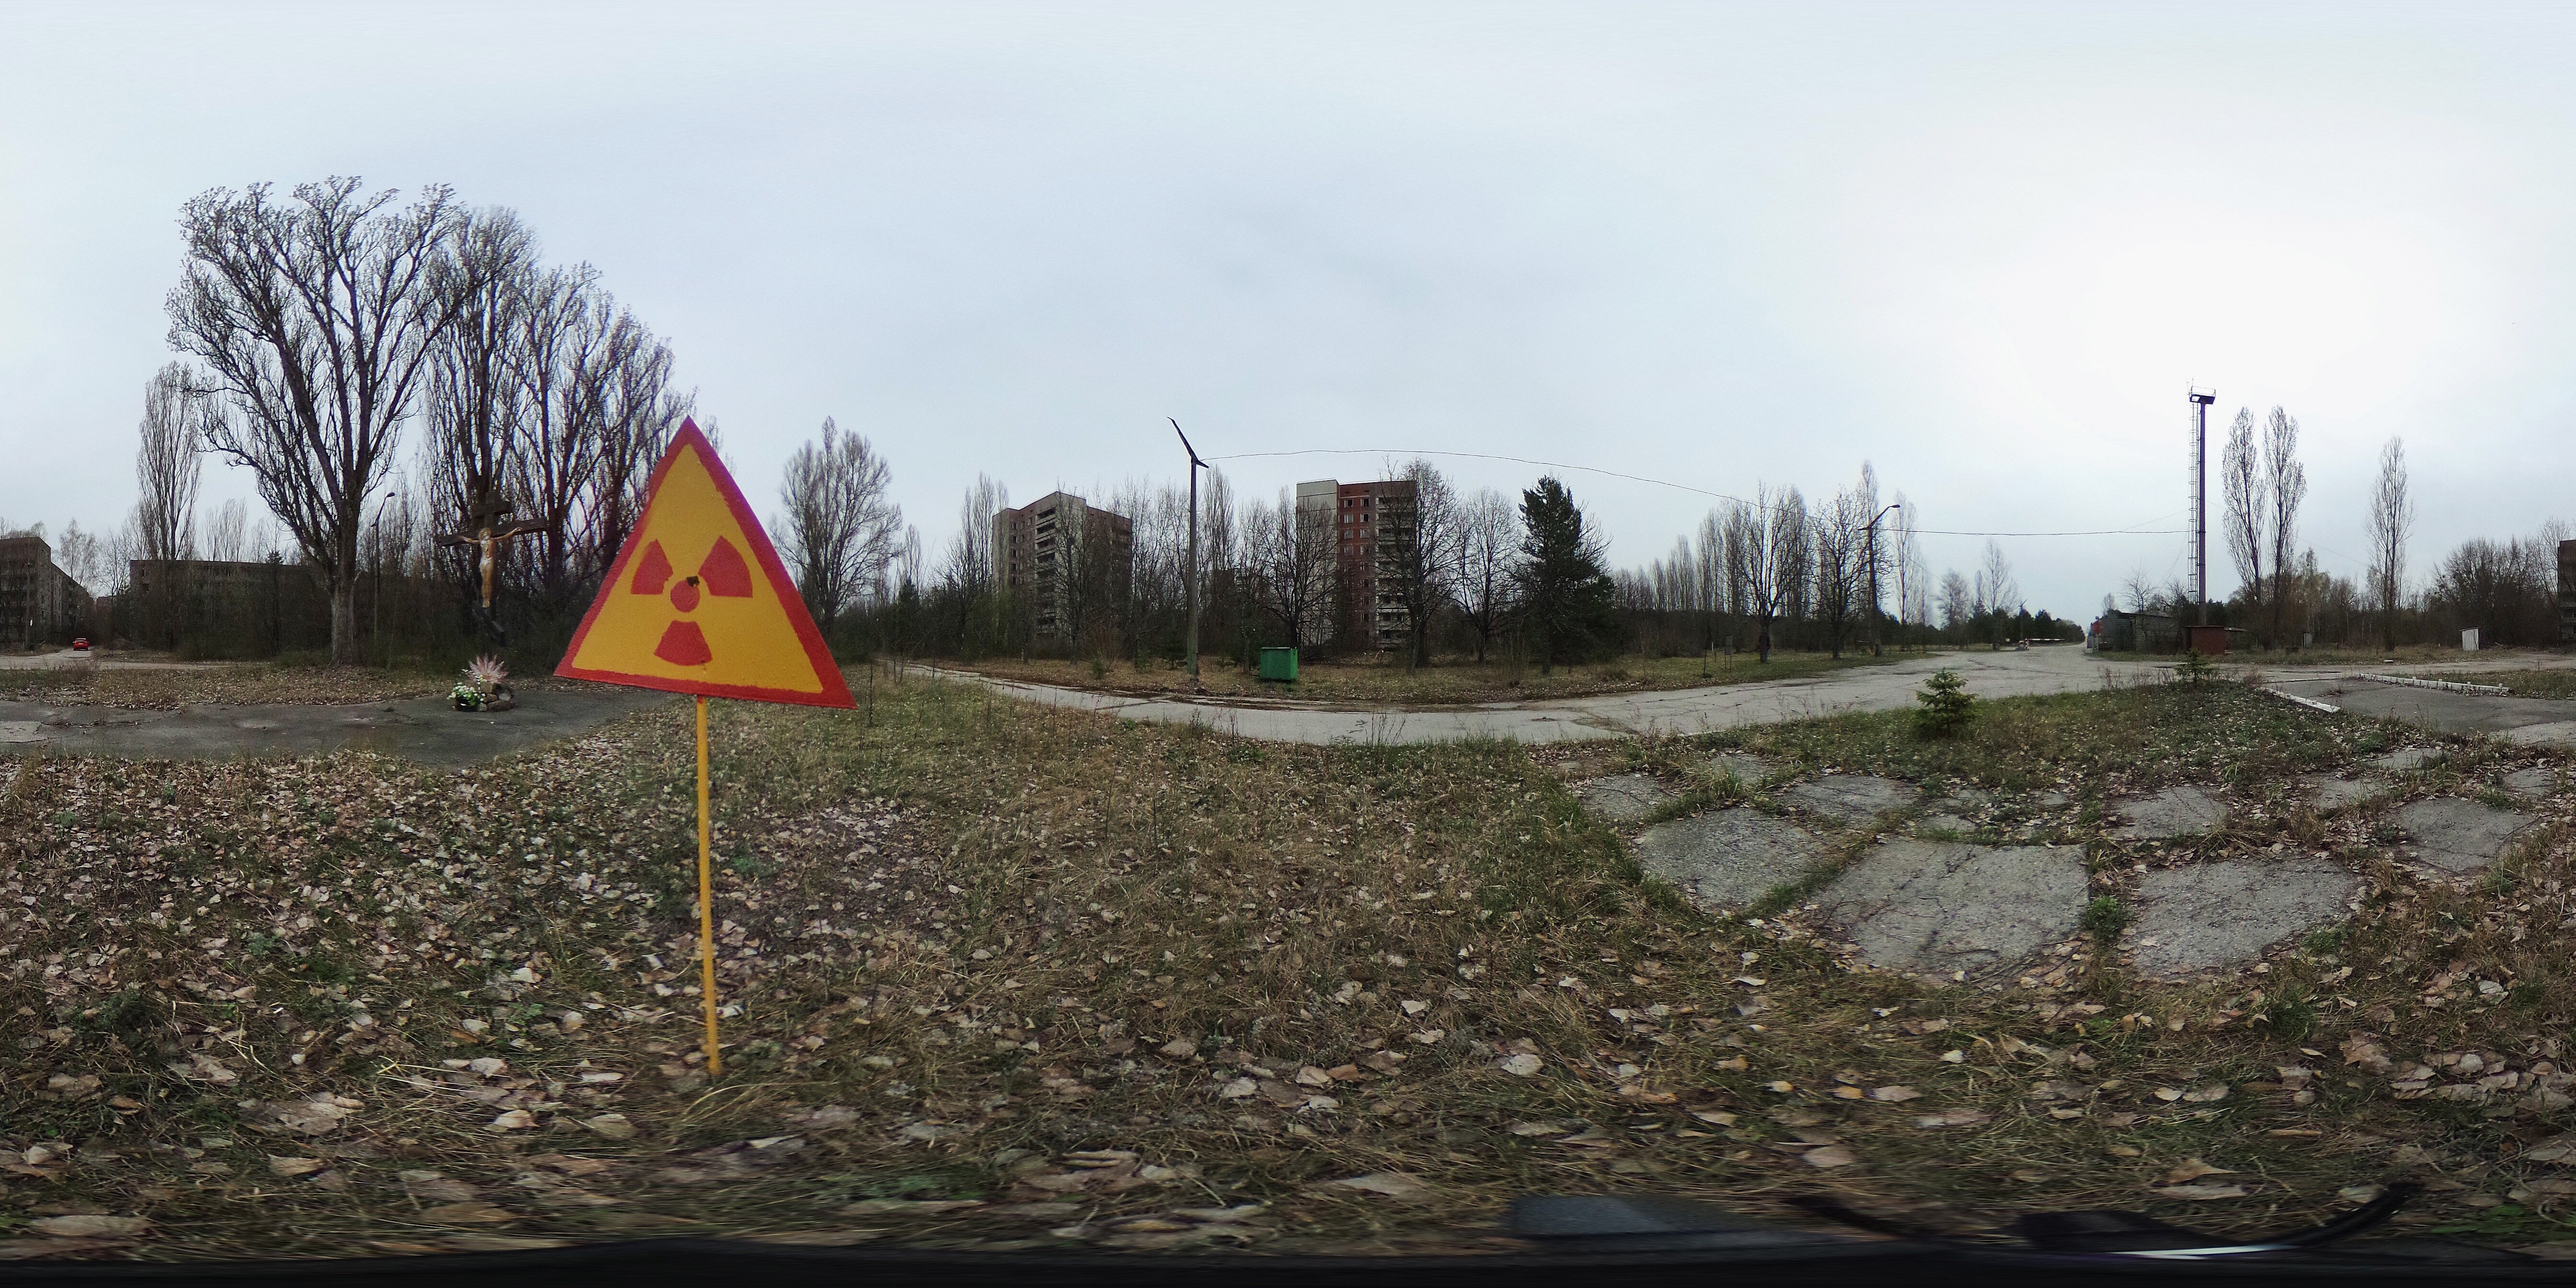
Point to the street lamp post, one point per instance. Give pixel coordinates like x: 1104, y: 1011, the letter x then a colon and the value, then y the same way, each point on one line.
x: 1190, y: 635
x: 1873, y: 573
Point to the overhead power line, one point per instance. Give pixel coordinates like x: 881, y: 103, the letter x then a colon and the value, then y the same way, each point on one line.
x: 1634, y: 478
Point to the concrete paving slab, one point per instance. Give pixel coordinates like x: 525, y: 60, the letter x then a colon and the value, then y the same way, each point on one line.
x: 1728, y: 858
x: 2532, y: 784
x: 2529, y: 721
x: 2457, y: 835
x: 1852, y: 798
x: 1615, y: 715
x: 2333, y: 795
x: 429, y: 730
x: 2559, y: 734
x: 1624, y: 798
x: 2406, y: 758
x: 1940, y: 907
x: 2176, y: 811
x: 1944, y: 823
x: 2226, y: 913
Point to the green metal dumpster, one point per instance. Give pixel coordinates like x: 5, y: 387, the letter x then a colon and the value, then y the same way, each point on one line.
x: 1279, y: 664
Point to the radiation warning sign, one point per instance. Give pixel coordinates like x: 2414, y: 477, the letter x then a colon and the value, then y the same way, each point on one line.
x: 698, y: 602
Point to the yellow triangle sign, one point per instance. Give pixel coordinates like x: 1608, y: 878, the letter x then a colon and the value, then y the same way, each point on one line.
x: 697, y: 601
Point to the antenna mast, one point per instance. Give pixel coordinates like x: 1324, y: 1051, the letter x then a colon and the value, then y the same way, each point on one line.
x: 2200, y: 401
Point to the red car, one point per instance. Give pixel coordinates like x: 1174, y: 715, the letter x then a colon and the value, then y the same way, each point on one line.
x: 80, y: 644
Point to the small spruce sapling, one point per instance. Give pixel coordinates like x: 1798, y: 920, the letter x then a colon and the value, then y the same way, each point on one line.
x: 1947, y: 705
x: 2195, y: 667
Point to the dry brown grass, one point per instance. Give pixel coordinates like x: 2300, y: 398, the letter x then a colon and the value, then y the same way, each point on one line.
x: 234, y: 683
x: 1019, y: 976
x: 1450, y: 682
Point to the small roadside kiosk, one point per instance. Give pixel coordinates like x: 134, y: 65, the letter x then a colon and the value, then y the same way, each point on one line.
x: 698, y: 603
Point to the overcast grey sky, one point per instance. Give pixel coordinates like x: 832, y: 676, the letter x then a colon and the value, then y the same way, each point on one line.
x: 1982, y: 246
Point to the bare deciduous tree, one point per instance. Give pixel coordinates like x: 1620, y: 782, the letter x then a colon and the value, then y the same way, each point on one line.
x: 841, y: 528
x: 2240, y: 484
x: 314, y: 318
x: 1839, y: 542
x: 167, y: 469
x: 1421, y: 554
x: 1488, y: 537
x: 1765, y: 549
x: 970, y: 567
x: 1958, y: 601
x: 227, y: 533
x: 2392, y: 521
x: 1996, y: 590
x: 83, y: 558
x: 1792, y: 562
x: 1292, y: 549
x: 2285, y: 482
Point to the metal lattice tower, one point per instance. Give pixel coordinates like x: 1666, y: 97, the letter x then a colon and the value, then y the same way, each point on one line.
x: 2200, y: 401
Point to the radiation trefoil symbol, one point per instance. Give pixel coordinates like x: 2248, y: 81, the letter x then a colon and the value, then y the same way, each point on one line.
x: 698, y: 602
x: 723, y: 574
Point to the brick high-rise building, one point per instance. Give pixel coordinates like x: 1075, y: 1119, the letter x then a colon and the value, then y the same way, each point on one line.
x: 2567, y: 592
x: 1064, y: 558
x: 1372, y: 526
x: 39, y: 603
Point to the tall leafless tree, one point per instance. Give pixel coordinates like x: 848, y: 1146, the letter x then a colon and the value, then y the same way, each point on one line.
x: 638, y: 412
x: 2240, y: 485
x: 2285, y: 483
x: 1422, y: 556
x: 2392, y: 521
x: 1913, y: 592
x: 167, y: 468
x: 227, y: 532
x: 1766, y: 538
x: 1839, y: 541
x: 1793, y: 555
x: 1488, y: 542
x: 842, y: 528
x: 314, y: 318
x: 1958, y: 601
x: 1997, y: 593
x: 973, y: 566
x: 470, y: 405
x: 1293, y: 550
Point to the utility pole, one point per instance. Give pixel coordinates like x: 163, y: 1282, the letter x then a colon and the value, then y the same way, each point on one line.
x: 1190, y: 636
x: 2200, y: 401
x: 1873, y: 575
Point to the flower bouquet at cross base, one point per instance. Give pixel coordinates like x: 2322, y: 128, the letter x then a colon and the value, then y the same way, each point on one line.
x: 485, y: 687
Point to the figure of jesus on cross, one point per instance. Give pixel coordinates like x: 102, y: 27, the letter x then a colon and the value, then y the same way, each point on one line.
x: 489, y: 524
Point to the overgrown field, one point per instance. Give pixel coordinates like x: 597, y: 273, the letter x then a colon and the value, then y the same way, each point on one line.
x: 1452, y: 681
x: 1018, y: 976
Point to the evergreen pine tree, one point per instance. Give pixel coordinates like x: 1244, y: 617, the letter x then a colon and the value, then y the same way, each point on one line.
x: 1568, y: 602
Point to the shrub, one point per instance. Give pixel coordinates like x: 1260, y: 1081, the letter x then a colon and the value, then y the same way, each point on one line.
x: 1947, y: 705
x: 2195, y: 668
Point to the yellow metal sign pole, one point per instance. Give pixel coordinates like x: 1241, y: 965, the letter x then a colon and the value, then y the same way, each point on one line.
x: 706, y: 903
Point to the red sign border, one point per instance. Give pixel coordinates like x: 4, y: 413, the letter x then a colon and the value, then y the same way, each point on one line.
x: 836, y: 691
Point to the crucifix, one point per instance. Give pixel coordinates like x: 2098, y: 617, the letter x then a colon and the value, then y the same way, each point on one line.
x: 489, y: 524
